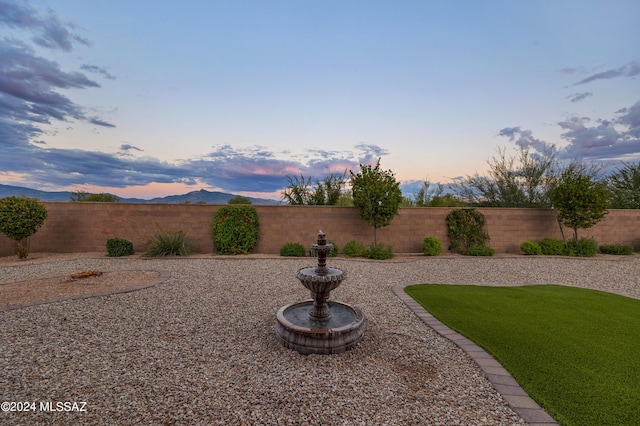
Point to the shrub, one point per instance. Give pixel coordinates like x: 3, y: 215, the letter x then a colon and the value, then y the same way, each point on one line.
x: 552, y: 246
x: 431, y: 246
x: 20, y: 218
x: 379, y: 251
x: 235, y: 229
x: 620, y: 249
x: 584, y: 247
x: 119, y: 247
x: 531, y: 248
x: 480, y: 251
x: 165, y: 243
x: 466, y: 229
x: 353, y: 249
x: 293, y: 249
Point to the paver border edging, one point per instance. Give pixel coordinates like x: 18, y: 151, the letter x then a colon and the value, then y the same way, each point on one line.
x: 162, y: 277
x: 502, y: 381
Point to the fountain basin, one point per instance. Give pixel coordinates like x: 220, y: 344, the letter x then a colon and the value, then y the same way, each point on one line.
x: 338, y: 333
x: 329, y: 280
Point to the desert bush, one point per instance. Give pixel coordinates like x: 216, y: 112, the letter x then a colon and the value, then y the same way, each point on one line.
x: 166, y: 243
x: 620, y: 249
x: 479, y: 251
x: 119, y: 247
x: 531, y: 248
x: 466, y: 229
x: 431, y: 246
x: 293, y: 250
x: 353, y: 249
x: 235, y: 229
x: 379, y: 251
x: 20, y: 218
x: 552, y: 246
x: 584, y: 247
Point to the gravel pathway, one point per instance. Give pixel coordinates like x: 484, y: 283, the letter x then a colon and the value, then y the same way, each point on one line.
x: 200, y: 348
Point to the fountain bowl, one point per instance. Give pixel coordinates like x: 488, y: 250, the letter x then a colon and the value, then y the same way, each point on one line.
x: 296, y: 330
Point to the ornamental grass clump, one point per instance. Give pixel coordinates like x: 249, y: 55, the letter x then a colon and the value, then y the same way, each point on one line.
x: 166, y: 243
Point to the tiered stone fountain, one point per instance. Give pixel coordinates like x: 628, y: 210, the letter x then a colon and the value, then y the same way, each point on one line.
x: 319, y: 325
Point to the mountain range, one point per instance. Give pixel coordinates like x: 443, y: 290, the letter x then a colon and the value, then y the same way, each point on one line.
x: 193, y: 197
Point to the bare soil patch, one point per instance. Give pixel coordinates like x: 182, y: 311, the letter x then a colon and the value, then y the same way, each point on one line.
x: 95, y: 283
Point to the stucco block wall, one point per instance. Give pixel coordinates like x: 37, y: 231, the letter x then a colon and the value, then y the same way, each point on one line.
x: 85, y: 227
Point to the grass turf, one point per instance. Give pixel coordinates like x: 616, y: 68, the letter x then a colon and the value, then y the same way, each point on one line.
x: 575, y: 351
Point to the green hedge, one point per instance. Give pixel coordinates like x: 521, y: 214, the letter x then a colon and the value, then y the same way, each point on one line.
x: 235, y: 229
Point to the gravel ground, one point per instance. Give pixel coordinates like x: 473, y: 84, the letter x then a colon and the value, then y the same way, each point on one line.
x: 200, y: 347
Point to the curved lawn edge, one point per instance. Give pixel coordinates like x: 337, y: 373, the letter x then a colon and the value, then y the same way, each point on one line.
x: 502, y: 381
x: 163, y: 275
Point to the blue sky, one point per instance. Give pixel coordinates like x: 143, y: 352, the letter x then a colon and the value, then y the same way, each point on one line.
x: 151, y: 98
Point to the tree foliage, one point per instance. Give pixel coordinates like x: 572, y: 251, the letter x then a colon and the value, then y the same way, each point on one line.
x: 521, y: 180
x: 579, y: 199
x: 376, y: 195
x: 100, y: 198
x: 624, y: 187
x: 428, y: 196
x: 20, y: 218
x: 327, y: 192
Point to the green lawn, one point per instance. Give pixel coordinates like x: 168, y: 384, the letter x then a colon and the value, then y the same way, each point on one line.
x: 575, y: 351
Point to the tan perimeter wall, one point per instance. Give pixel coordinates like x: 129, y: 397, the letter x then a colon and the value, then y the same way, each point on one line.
x: 85, y: 227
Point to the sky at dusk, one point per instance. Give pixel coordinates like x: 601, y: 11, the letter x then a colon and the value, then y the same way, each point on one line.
x: 152, y: 98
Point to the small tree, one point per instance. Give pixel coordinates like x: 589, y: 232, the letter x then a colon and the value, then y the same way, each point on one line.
x: 579, y: 199
x: 20, y: 218
x: 376, y: 195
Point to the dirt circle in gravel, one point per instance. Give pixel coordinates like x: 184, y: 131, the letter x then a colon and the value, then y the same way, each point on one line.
x: 19, y: 294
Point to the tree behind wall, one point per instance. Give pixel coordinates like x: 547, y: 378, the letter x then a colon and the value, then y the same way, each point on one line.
x: 624, y: 187
x: 299, y: 192
x: 521, y: 180
x: 376, y: 195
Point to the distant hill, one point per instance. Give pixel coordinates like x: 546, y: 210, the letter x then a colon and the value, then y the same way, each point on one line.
x: 194, y: 197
